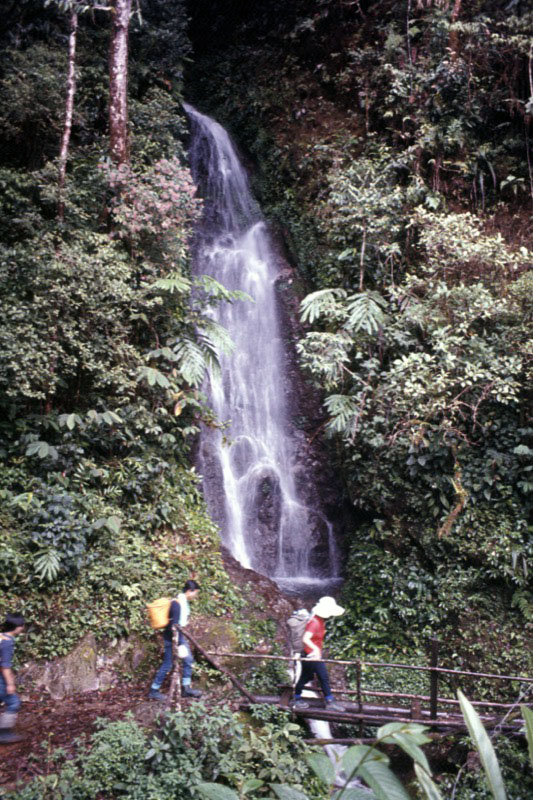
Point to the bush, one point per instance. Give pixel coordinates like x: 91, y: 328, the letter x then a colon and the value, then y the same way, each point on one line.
x: 125, y: 761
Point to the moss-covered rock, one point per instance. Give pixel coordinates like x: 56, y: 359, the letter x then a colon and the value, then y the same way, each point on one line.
x: 91, y: 665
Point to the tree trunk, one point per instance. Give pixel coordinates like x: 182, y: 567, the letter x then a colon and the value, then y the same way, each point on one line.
x: 454, y: 38
x: 118, y: 81
x: 69, y: 107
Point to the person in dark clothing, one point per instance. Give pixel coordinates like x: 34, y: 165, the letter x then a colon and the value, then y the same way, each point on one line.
x: 14, y: 624
x: 178, y: 615
x: 312, y: 664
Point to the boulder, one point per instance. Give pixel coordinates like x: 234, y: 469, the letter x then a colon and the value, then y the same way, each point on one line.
x: 91, y: 665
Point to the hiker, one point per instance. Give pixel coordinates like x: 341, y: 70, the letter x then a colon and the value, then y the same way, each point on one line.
x: 178, y: 615
x: 14, y: 624
x: 312, y: 664
x: 296, y: 625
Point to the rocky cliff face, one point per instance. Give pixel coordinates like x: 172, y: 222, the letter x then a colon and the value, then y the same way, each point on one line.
x: 320, y: 483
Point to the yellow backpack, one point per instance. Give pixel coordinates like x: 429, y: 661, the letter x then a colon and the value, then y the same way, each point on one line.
x: 158, y: 612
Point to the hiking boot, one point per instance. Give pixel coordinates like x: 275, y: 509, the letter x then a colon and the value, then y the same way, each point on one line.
x: 186, y: 691
x: 334, y: 706
x: 155, y: 694
x: 299, y: 704
x: 8, y: 737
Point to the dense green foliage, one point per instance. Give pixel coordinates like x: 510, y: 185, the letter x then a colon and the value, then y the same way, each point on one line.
x: 370, y: 763
x: 102, y: 348
x: 124, y: 760
x: 393, y: 157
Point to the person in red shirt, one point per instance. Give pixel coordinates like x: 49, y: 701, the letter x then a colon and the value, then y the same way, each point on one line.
x: 312, y: 641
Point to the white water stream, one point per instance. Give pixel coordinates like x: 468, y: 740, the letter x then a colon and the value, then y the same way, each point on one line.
x: 249, y: 470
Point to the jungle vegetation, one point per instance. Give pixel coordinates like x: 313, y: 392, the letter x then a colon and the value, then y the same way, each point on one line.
x: 390, y: 145
x: 393, y: 156
x: 102, y: 347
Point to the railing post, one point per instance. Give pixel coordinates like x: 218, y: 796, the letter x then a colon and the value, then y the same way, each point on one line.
x: 434, y: 678
x: 359, y: 696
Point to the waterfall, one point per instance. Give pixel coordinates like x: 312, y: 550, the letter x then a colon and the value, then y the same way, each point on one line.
x: 248, y: 470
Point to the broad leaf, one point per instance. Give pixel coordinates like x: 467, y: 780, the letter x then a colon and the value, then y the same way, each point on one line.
x: 112, y: 418
x: 353, y: 757
x: 384, y: 782
x: 215, y: 791
x: 416, y: 731
x: 41, y: 449
x: 287, y: 792
x: 250, y: 784
x: 69, y: 420
x: 113, y: 524
x: 409, y: 746
x: 152, y: 377
x: 354, y: 793
x: 484, y: 748
x: 322, y: 767
x: 528, y: 719
x: 429, y: 787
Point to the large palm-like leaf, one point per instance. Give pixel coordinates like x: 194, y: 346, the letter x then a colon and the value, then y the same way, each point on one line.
x: 322, y: 303
x: 194, y: 358
x: 365, y: 312
x: 484, y: 748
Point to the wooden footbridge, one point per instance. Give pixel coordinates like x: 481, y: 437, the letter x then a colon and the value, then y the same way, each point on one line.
x: 364, y: 707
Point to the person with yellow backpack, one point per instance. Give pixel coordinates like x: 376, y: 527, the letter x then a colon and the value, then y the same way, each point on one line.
x: 13, y: 625
x: 178, y: 614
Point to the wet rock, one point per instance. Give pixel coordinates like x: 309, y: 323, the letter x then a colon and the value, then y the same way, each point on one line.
x: 68, y: 675
x: 275, y: 603
x: 90, y: 666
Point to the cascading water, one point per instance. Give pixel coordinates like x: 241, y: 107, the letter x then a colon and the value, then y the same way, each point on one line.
x: 252, y: 477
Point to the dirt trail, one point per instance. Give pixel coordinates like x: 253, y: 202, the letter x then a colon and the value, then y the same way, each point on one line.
x: 47, y: 724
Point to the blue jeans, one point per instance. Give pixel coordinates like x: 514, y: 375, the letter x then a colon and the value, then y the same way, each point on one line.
x: 309, y: 669
x: 166, y: 666
x: 11, y: 701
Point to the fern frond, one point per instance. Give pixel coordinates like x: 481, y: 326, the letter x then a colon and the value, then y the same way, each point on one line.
x: 365, y: 312
x: 218, y: 292
x: 193, y: 359
x: 174, y: 282
x: 322, y: 303
x: 217, y: 334
x: 47, y: 564
x: 342, y: 409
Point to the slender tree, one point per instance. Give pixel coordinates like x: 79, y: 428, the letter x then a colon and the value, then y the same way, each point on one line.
x: 69, y: 109
x: 118, y: 81
x: 74, y: 8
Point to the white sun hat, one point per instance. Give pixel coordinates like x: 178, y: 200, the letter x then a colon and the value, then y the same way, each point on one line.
x: 327, y: 607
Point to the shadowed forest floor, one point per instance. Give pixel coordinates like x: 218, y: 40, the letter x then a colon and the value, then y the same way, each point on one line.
x: 48, y: 724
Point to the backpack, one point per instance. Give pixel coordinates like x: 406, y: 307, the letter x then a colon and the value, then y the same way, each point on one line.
x: 297, y: 622
x: 158, y: 612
